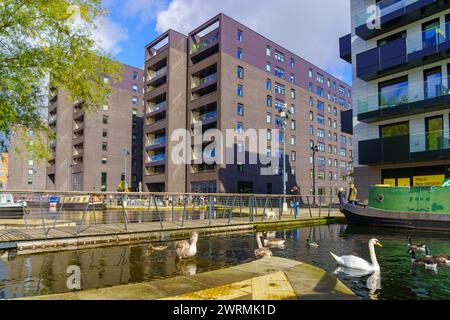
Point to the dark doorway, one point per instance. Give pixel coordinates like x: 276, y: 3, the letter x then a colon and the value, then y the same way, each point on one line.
x: 245, y: 187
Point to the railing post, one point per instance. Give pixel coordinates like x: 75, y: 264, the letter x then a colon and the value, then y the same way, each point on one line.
x: 240, y: 206
x: 93, y: 208
x: 24, y: 214
x: 232, y: 208
x: 320, y: 206
x: 329, y: 206
x: 42, y: 214
x: 56, y: 217
x: 124, y: 214
x: 265, y: 207
x: 84, y: 215
x: 159, y: 213
x: 210, y: 209
x: 309, y: 207
x: 280, y: 208
x: 172, y: 203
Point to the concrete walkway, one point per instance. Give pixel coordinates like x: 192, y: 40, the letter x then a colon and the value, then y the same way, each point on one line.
x: 270, y: 278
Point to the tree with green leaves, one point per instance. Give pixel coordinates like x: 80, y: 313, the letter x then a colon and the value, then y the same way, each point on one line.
x: 49, y: 44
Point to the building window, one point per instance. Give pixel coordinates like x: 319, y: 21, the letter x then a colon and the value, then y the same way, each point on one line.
x: 103, y: 181
x: 240, y: 72
x: 292, y: 63
x: 104, y: 160
x: 293, y: 156
x: 269, y: 135
x: 268, y: 51
x: 105, y: 107
x: 279, y: 56
x: 269, y: 117
x: 321, y: 133
x: 240, y: 109
x: 279, y: 72
x: 240, y: 35
x: 310, y: 87
x: 319, y: 91
x: 240, y: 90
x: 311, y: 130
x: 293, y: 125
x: 292, y: 93
x: 105, y: 133
x: 134, y: 112
x: 134, y: 100
x: 105, y: 119
x: 279, y: 88
x: 292, y: 140
x: 335, y: 111
x: 320, y: 119
x: 268, y: 84
x: 239, y: 54
x: 292, y: 109
x: 269, y: 101
x: 135, y: 75
x: 310, y: 73
x: 268, y: 67
x: 292, y: 79
x: 343, y: 152
x: 135, y: 88
x: 30, y: 162
x: 239, y: 127
x: 311, y: 101
x: 319, y: 78
x: 320, y: 105
x: 104, y: 146
x: 311, y: 116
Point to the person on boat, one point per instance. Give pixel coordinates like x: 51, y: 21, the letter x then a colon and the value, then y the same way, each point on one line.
x: 353, y: 193
x: 341, y: 196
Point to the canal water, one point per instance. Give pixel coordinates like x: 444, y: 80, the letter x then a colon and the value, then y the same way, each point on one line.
x: 103, y: 267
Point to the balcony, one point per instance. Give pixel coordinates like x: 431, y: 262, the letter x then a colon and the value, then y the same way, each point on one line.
x: 78, y: 154
x: 431, y: 46
x: 52, y: 120
x: 157, y: 78
x: 424, y: 146
x: 345, y: 48
x: 204, y: 86
x: 205, y: 47
x: 395, y: 14
x: 78, y: 127
x: 206, y: 118
x: 417, y: 97
x: 199, y: 168
x: 156, y: 108
x: 156, y: 160
x: 156, y: 143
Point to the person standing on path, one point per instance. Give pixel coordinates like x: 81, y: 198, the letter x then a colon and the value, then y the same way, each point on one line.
x: 353, y: 193
x: 341, y: 197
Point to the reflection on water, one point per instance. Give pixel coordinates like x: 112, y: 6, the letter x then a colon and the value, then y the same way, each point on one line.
x: 103, y: 267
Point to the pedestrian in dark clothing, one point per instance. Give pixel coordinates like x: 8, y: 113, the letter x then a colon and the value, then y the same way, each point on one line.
x: 341, y: 197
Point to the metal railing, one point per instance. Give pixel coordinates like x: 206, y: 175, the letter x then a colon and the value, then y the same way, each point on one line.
x: 157, y: 73
x: 75, y: 212
x: 385, y: 7
x: 205, y: 43
x: 156, y: 107
x: 208, y: 79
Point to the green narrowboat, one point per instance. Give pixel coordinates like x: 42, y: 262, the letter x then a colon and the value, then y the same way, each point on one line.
x: 403, y: 207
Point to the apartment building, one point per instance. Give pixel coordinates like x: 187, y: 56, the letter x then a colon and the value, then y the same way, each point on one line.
x: 95, y: 150
x: 227, y: 76
x: 24, y: 173
x: 401, y: 68
x: 3, y: 170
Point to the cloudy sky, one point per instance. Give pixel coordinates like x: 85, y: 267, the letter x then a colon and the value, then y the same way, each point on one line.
x: 310, y: 28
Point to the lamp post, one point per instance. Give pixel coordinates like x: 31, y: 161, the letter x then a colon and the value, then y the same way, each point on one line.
x: 284, y: 116
x: 126, y: 153
x: 314, y: 150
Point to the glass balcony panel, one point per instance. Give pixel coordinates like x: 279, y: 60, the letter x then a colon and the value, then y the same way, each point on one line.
x: 430, y: 38
x: 156, y: 158
x: 430, y: 141
x: 205, y: 43
x: 398, y: 95
x: 157, y: 141
x: 205, y: 80
x: 157, y: 73
x: 156, y: 107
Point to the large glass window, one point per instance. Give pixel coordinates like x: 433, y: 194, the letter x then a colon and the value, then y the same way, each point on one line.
x: 393, y: 92
x: 430, y: 33
x: 391, y: 38
x: 434, y: 133
x: 432, y: 82
x: 395, y: 129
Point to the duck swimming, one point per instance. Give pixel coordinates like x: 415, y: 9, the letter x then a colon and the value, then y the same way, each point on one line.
x: 261, y: 252
x: 428, y: 262
x: 186, y: 249
x: 420, y: 248
x: 439, y: 258
x: 355, y: 262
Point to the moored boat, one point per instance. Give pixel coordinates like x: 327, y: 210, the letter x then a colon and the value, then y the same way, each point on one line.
x: 80, y: 203
x: 10, y: 209
x: 403, y: 207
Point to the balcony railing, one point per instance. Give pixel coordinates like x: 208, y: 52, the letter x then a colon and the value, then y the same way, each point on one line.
x: 157, y: 158
x: 430, y: 38
x: 430, y: 141
x: 205, y: 43
x: 411, y: 92
x: 208, y: 79
x: 157, y: 107
x: 157, y: 73
x: 157, y: 141
x: 212, y: 115
x: 386, y: 7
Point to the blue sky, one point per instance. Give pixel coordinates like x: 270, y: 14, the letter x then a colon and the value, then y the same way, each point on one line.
x: 310, y: 28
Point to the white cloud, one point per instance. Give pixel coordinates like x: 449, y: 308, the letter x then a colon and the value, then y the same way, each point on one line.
x: 109, y: 36
x: 310, y: 28
x: 145, y: 10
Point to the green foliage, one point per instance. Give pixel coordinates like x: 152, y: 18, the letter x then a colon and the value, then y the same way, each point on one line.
x: 49, y: 44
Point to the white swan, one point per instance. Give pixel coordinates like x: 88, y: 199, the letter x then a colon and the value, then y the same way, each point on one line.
x: 261, y: 252
x: 186, y: 249
x: 355, y: 262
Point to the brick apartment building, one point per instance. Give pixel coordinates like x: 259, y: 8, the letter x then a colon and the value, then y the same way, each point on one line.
x: 228, y: 76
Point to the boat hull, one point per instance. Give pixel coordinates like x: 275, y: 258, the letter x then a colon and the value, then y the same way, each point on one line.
x: 405, y: 220
x: 82, y: 207
x: 13, y: 212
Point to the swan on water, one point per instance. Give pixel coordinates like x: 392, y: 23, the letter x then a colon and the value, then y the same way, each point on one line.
x: 262, y: 251
x: 187, y: 249
x: 355, y: 262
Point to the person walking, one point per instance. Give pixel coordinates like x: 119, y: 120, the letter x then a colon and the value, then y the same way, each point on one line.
x: 353, y: 193
x: 341, y: 197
